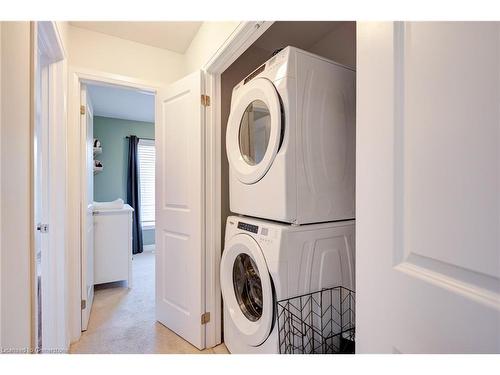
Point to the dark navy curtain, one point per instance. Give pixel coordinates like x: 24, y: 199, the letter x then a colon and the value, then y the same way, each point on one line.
x: 133, y: 194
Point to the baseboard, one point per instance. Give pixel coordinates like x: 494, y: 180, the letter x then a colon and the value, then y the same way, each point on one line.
x: 149, y: 247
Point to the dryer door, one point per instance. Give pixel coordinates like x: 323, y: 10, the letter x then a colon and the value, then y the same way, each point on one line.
x: 254, y: 130
x: 246, y: 289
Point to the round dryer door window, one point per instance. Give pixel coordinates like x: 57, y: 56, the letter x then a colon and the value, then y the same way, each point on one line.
x: 253, y: 130
x: 246, y: 289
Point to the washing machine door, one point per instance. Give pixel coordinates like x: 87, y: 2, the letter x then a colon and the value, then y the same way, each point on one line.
x: 246, y: 289
x: 254, y: 130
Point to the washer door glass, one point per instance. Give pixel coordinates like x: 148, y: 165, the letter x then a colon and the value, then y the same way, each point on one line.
x: 255, y: 130
x: 247, y: 287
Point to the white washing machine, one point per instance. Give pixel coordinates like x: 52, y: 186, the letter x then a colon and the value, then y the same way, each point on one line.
x: 264, y: 262
x: 291, y: 140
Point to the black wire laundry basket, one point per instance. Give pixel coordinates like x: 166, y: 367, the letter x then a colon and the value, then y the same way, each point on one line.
x: 317, y: 323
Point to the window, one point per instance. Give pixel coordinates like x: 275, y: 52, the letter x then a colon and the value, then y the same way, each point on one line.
x: 146, y: 153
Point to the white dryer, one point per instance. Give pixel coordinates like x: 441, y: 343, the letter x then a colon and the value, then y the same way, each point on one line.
x: 291, y: 140
x: 264, y: 262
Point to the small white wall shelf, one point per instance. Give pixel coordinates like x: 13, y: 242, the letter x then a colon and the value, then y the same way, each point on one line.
x: 97, y: 168
x: 97, y: 151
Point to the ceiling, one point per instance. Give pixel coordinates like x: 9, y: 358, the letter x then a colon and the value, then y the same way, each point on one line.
x: 300, y: 34
x: 174, y: 36
x: 122, y: 103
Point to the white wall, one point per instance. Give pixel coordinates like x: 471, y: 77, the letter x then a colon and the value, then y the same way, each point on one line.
x: 15, y: 153
x: 96, y: 51
x: 206, y: 42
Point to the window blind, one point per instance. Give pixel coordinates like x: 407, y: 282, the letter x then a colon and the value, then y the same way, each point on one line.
x: 146, y: 153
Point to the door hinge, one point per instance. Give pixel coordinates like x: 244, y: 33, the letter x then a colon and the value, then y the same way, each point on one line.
x: 205, y: 100
x: 43, y: 228
x: 205, y: 318
x: 84, y: 304
x: 82, y: 109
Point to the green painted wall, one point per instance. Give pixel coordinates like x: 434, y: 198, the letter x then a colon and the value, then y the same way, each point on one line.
x: 111, y: 183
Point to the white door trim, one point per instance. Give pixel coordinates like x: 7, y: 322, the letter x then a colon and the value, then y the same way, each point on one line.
x: 76, y: 178
x: 242, y: 37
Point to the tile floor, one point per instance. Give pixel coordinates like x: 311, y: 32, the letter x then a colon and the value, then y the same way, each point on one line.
x: 123, y: 320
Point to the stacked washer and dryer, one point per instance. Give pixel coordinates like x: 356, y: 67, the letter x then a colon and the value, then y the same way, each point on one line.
x: 291, y: 148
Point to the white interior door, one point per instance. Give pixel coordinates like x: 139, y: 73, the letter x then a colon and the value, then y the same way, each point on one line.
x: 87, y: 260
x: 180, y: 282
x: 428, y: 187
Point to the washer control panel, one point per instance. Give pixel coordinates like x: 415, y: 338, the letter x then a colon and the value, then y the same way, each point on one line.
x: 265, y: 235
x: 248, y: 227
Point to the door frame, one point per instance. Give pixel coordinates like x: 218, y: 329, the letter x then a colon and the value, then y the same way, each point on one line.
x: 245, y: 34
x: 46, y: 37
x: 77, y: 180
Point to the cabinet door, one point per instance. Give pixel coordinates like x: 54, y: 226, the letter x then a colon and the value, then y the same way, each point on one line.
x: 112, y: 247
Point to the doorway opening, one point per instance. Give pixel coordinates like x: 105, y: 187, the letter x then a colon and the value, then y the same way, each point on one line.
x: 118, y: 250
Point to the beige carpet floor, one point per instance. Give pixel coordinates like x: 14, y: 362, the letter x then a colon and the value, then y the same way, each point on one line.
x: 123, y: 320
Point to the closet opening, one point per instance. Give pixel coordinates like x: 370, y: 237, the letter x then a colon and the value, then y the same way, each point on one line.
x: 287, y: 135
